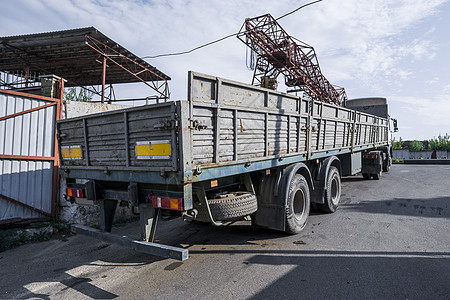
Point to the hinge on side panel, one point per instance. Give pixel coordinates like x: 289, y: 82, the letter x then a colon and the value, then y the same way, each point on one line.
x: 197, y: 171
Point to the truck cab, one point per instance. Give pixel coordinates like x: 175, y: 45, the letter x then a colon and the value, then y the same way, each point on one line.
x: 376, y: 161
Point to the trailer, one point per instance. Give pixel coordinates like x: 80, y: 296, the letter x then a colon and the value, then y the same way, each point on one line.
x: 230, y: 151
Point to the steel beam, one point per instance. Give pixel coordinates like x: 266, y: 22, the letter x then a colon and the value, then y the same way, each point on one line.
x: 103, y: 79
x: 24, y: 157
x: 140, y: 246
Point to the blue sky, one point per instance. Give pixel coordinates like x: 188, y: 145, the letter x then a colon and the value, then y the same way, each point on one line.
x: 394, y: 49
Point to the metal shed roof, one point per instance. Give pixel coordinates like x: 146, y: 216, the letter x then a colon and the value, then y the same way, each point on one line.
x: 73, y: 55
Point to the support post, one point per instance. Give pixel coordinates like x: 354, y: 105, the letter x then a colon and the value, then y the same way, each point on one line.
x: 154, y: 223
x: 27, y: 75
x: 103, y: 79
x: 107, y: 212
x: 148, y: 218
x: 56, y: 162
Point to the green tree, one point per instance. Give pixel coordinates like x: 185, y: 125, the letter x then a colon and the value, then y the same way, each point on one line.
x: 416, y: 146
x: 397, y: 145
x: 83, y: 95
x: 440, y: 143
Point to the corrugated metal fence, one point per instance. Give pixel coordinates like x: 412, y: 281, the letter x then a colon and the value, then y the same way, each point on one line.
x: 424, y: 154
x: 28, y: 157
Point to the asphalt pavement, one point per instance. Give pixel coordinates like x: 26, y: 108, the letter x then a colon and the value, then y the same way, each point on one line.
x: 389, y: 239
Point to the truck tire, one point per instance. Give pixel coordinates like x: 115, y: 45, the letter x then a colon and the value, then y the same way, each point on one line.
x: 387, y: 164
x: 298, y: 204
x: 377, y: 176
x: 226, y: 207
x: 332, y: 192
x: 366, y: 176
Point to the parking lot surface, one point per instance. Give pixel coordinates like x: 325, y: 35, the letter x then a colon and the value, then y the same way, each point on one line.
x: 390, y: 238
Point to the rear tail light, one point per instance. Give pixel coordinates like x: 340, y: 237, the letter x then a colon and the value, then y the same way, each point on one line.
x: 371, y: 156
x: 166, y: 202
x: 77, y: 193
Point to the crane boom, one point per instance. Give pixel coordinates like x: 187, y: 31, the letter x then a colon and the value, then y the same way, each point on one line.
x: 278, y: 53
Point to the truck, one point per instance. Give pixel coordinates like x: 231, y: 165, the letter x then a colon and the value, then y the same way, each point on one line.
x: 231, y: 151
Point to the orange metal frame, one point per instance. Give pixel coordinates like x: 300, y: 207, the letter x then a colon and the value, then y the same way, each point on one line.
x: 123, y: 62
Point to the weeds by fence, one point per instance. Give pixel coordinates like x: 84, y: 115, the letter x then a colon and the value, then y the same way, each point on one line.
x: 439, y: 143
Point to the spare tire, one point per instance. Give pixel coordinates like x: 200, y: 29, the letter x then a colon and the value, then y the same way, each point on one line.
x: 226, y: 207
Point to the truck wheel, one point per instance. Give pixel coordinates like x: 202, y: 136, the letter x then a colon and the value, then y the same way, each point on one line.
x: 228, y: 206
x: 366, y: 176
x: 333, y: 191
x: 298, y: 204
x: 377, y: 176
x: 387, y: 165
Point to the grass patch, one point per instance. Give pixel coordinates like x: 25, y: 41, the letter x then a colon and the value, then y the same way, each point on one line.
x: 10, y: 238
x: 398, y: 161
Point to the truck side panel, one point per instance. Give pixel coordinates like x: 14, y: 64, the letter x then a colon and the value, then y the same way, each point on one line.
x: 225, y: 128
x: 241, y: 123
x: 110, y: 140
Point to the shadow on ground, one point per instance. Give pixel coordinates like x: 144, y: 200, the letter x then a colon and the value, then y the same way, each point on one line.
x: 356, y: 275
x: 426, y: 207
x: 56, y: 260
x: 56, y: 263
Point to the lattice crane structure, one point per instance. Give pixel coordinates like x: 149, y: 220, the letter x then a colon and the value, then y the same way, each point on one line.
x: 278, y: 53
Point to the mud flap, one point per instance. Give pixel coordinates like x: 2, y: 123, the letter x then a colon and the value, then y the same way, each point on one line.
x: 271, y: 211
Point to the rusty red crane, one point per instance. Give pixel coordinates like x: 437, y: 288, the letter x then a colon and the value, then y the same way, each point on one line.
x: 278, y: 53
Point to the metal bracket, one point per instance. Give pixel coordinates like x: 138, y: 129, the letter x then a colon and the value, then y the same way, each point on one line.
x: 202, y: 196
x: 91, y: 193
x: 197, y: 171
x: 107, y: 212
x: 133, y: 194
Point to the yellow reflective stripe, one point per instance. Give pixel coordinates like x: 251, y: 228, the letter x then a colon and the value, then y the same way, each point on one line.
x: 151, y: 149
x: 160, y: 149
x: 71, y: 152
x: 143, y: 150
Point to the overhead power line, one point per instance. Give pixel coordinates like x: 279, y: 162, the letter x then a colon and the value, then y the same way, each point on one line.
x: 297, y: 9
x: 225, y: 37
x: 192, y: 50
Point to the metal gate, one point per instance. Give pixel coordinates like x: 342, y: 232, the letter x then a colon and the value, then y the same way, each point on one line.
x: 29, y: 158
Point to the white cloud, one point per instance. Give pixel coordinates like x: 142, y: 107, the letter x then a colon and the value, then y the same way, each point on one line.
x: 355, y: 34
x: 446, y: 90
x: 361, y: 44
x: 367, y: 32
x: 422, y: 117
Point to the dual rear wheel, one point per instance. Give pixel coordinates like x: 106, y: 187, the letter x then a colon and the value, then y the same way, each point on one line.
x: 298, y: 202
x: 332, y: 194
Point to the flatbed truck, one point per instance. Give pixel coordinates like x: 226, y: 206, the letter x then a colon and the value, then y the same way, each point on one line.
x: 230, y: 151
